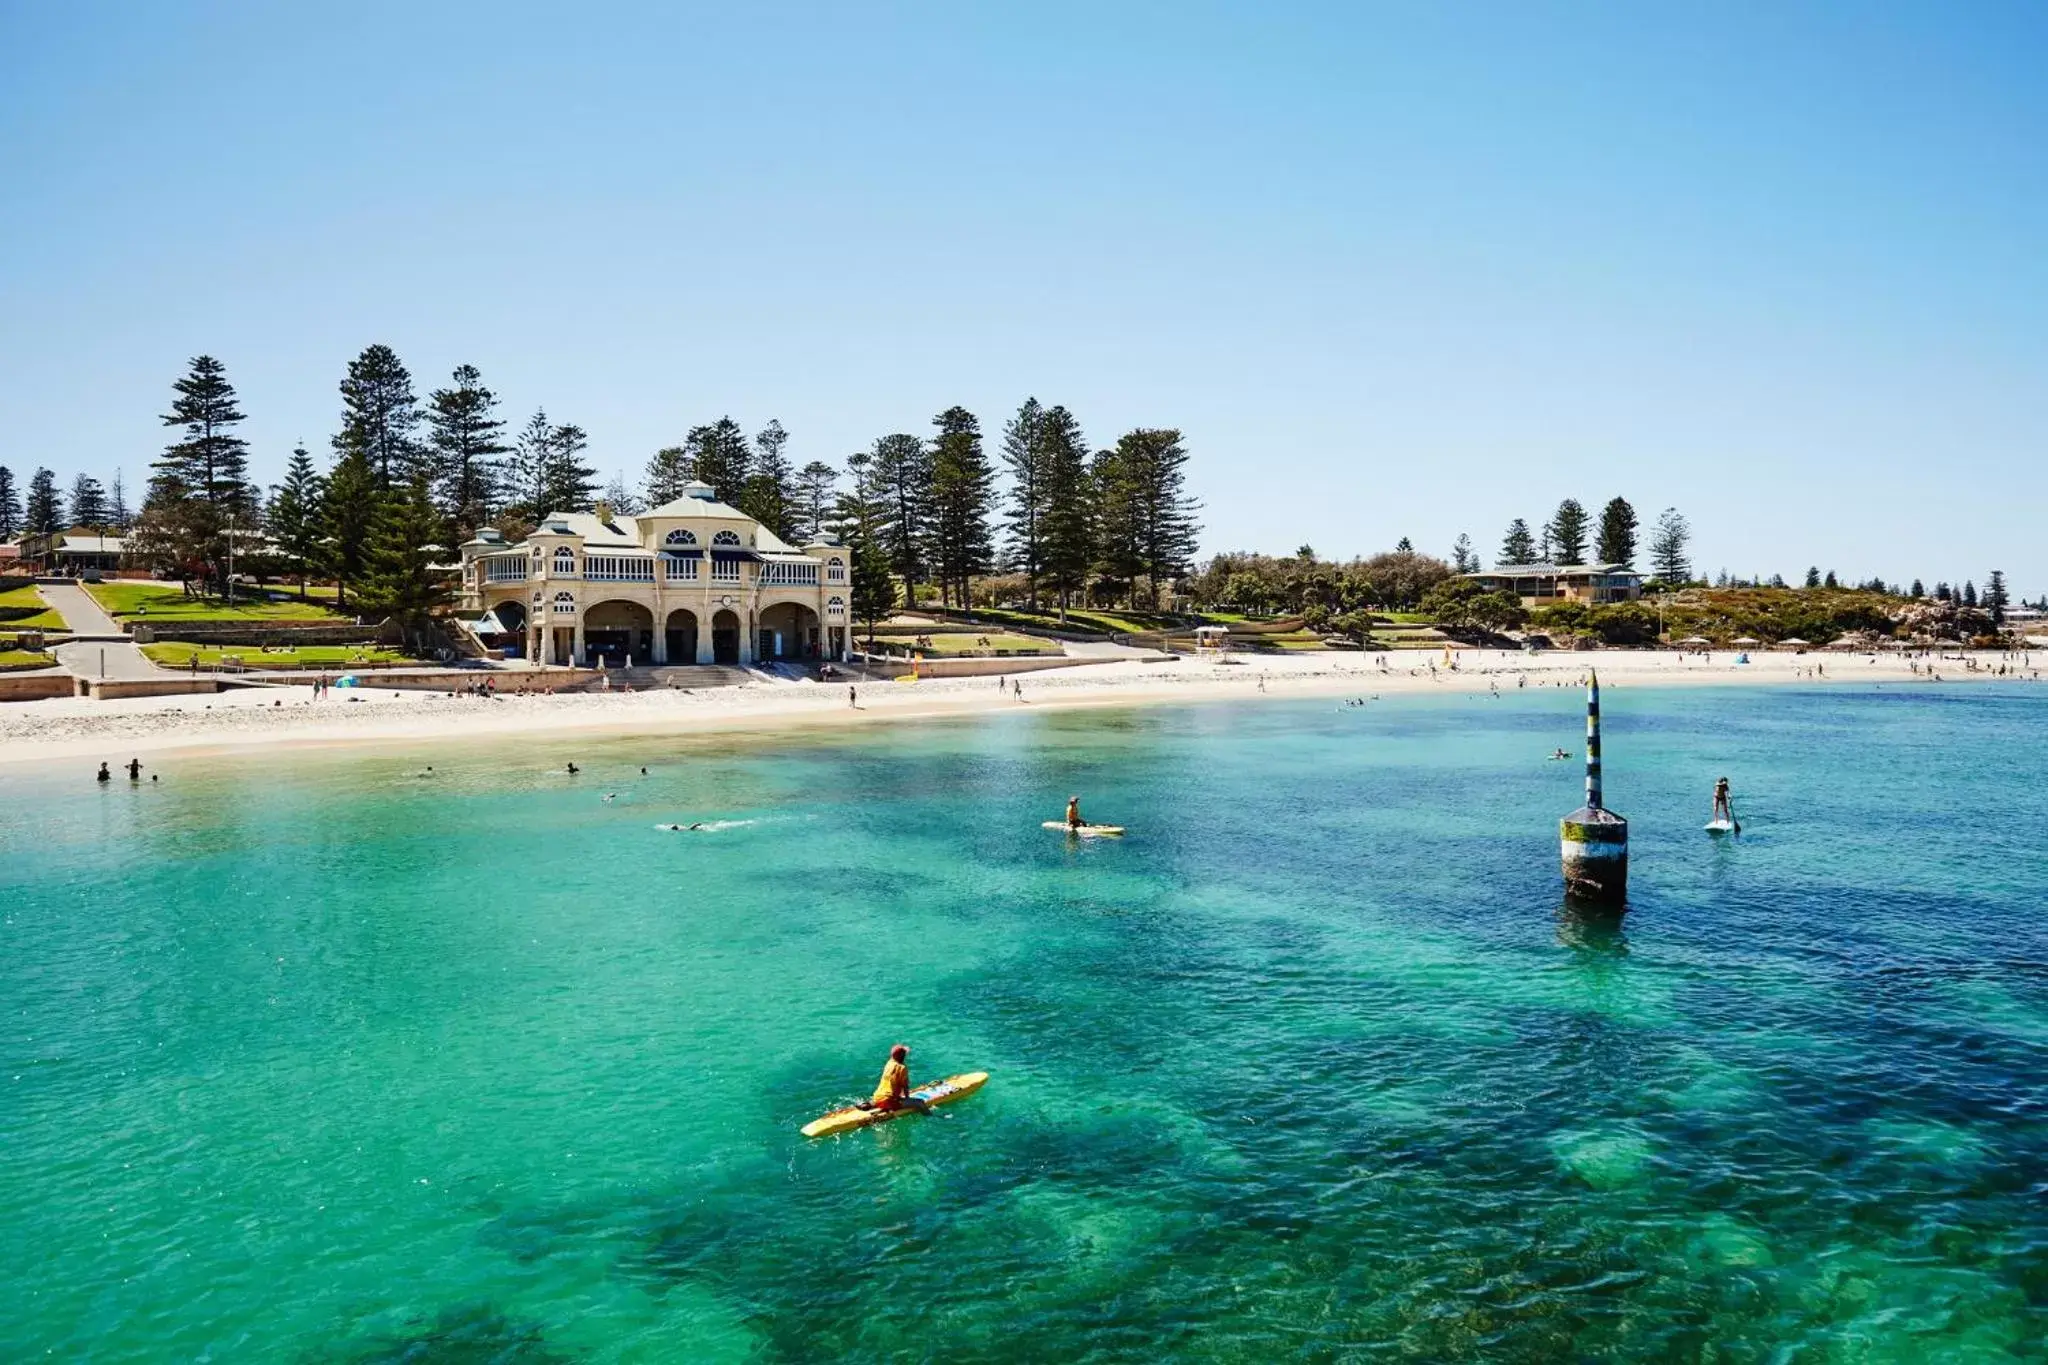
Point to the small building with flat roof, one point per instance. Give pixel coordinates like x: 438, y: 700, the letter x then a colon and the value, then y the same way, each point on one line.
x: 1543, y: 585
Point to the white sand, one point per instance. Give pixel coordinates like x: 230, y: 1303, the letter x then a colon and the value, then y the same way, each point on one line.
x: 73, y: 729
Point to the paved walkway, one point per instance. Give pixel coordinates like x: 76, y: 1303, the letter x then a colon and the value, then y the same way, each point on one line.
x: 97, y: 659
x: 80, y: 612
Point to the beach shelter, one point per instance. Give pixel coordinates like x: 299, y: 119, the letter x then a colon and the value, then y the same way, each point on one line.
x: 1695, y: 640
x: 1794, y: 641
x: 1747, y: 640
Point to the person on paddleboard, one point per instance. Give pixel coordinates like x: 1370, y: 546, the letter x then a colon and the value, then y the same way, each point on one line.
x: 893, y: 1090
x: 1722, y: 811
x: 1074, y: 820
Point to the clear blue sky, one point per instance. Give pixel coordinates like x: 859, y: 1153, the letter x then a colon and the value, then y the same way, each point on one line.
x: 1395, y: 270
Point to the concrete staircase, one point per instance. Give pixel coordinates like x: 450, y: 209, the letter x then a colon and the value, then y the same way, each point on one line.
x: 642, y: 677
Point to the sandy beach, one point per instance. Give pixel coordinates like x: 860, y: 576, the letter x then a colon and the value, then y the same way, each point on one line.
x: 70, y: 729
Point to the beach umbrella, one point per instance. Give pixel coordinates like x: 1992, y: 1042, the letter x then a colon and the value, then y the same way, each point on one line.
x: 1747, y: 640
x: 1792, y: 640
x: 1695, y: 640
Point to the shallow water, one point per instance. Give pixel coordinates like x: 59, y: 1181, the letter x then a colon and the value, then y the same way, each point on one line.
x: 320, y: 1057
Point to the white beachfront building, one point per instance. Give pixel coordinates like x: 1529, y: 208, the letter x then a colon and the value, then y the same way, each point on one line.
x: 693, y: 581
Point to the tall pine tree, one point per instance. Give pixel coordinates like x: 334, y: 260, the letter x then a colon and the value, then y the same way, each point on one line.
x: 815, y: 483
x: 1617, y: 540
x: 118, y: 512
x: 902, y: 471
x: 1517, y: 547
x: 350, y: 507
x: 44, y: 512
x: 10, y: 505
x: 721, y: 457
x: 526, y: 472
x: 962, y: 496
x: 667, y: 472
x: 1024, y: 456
x: 294, y: 519
x: 571, y: 484
x: 768, y: 494
x: 88, y: 502
x: 1156, y: 462
x: 1066, y: 523
x: 201, y: 486
x: 380, y: 417
x: 1670, y: 559
x: 467, y: 440
x: 400, y: 580
x: 1568, y: 532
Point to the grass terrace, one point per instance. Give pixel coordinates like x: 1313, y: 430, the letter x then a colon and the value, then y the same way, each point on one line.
x: 41, y: 618
x: 12, y: 660
x: 129, y: 601
x: 177, y: 654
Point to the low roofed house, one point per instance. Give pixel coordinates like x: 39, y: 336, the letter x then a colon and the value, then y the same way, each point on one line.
x: 692, y: 581
x: 1543, y: 585
x: 81, y: 551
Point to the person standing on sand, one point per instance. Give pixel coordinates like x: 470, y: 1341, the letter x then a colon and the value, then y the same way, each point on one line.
x: 853, y: 697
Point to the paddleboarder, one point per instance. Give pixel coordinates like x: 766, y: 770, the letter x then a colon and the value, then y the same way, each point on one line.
x: 1074, y: 820
x: 893, y: 1090
x: 1722, y: 809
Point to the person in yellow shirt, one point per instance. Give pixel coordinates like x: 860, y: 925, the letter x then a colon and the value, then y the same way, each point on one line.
x: 893, y: 1090
x: 1074, y: 820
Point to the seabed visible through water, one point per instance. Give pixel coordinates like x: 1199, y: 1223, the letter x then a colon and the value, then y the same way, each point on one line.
x: 327, y: 1059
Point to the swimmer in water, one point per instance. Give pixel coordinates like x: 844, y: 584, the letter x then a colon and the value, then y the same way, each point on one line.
x: 573, y: 770
x: 611, y: 796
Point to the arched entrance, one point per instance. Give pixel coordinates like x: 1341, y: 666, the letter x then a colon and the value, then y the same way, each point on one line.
x: 618, y: 632
x: 725, y: 638
x: 789, y: 630
x: 681, y: 636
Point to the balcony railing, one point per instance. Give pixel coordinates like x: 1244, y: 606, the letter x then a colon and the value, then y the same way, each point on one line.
x: 617, y: 569
x: 725, y: 571
x: 505, y: 569
x: 783, y: 573
x: 679, y: 570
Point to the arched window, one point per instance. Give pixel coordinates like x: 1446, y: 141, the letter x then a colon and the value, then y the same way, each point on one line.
x: 680, y: 537
x: 537, y: 594
x: 835, y: 570
x: 565, y: 560
x: 726, y: 538
x: 565, y: 603
x: 835, y: 607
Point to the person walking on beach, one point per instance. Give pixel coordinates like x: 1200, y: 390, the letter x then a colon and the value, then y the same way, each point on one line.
x: 853, y: 697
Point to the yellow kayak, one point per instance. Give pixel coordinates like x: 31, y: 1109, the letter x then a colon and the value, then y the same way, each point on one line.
x: 938, y: 1092
x: 1088, y: 831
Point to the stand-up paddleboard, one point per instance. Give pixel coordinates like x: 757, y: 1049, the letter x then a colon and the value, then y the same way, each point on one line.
x: 1088, y: 831
x: 938, y: 1092
x: 1723, y: 827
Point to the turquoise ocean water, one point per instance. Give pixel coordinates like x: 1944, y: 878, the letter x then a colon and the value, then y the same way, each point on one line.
x: 309, y: 1057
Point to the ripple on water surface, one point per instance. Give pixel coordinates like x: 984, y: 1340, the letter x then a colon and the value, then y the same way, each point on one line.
x: 336, y: 1059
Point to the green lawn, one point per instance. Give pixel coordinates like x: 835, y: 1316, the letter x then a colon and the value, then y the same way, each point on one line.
x: 27, y: 596
x: 1102, y: 622
x: 951, y: 644
x: 177, y: 654
x: 11, y: 659
x: 168, y: 602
